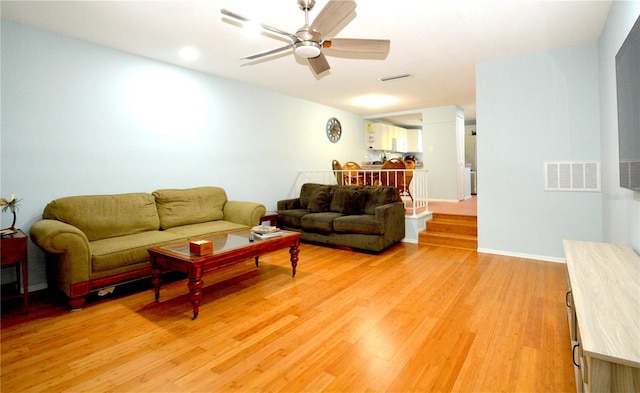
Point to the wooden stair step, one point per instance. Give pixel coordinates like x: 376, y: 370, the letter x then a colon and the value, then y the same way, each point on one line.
x: 451, y: 230
x: 453, y: 226
x: 456, y: 217
x: 447, y: 239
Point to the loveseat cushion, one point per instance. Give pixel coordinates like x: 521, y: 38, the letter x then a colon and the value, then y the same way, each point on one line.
x: 347, y: 200
x: 363, y: 223
x: 291, y: 218
x: 116, y: 252
x: 105, y: 216
x: 308, y: 189
x: 189, y: 206
x: 319, y: 222
x: 319, y: 202
x: 378, y: 196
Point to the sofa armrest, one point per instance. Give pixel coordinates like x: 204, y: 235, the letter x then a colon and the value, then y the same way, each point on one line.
x: 243, y: 212
x: 289, y: 204
x: 393, y: 216
x: 56, y: 237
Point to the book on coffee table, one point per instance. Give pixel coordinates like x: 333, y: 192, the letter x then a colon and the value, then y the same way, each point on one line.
x: 270, y: 235
x: 265, y: 229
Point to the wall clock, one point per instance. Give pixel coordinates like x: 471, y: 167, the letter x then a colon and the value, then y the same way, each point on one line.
x: 334, y: 129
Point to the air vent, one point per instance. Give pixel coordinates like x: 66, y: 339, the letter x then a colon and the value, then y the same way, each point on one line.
x: 630, y: 174
x: 572, y: 176
x: 395, y: 77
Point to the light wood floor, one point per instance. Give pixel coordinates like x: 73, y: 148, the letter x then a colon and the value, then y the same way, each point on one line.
x: 416, y: 318
x: 468, y: 207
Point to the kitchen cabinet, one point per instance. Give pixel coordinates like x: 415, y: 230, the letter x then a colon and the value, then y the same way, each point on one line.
x: 387, y: 137
x: 398, y: 139
x: 378, y: 137
x: 414, y: 141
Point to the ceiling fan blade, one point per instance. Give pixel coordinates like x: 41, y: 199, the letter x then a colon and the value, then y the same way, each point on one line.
x: 267, y: 53
x: 357, y: 45
x: 319, y: 64
x: 332, y: 15
x: 264, y: 27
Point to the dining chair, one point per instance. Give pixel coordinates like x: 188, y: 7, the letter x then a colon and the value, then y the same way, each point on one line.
x: 393, y: 171
x: 355, y: 176
x: 410, y: 166
x: 337, y: 171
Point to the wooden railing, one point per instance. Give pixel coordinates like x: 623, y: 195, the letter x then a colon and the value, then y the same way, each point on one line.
x: 415, y: 198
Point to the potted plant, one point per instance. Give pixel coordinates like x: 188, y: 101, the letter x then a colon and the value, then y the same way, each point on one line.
x: 12, y: 205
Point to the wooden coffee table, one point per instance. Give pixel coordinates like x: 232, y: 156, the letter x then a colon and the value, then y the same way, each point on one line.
x: 228, y: 248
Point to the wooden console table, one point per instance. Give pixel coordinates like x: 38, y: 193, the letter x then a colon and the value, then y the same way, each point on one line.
x: 603, y: 303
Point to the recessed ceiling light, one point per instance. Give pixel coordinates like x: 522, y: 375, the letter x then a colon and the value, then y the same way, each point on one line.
x: 189, y: 53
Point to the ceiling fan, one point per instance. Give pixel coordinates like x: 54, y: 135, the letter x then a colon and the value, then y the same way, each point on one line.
x: 309, y: 40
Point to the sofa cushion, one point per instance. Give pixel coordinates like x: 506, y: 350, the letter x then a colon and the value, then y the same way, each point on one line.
x: 308, y: 189
x: 363, y: 223
x: 347, y: 200
x: 105, y: 216
x: 319, y: 222
x: 378, y: 196
x: 189, y: 206
x: 116, y: 252
x: 206, y: 228
x: 319, y: 202
x: 291, y: 218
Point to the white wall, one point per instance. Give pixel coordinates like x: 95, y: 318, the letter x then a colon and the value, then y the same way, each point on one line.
x: 620, y: 207
x: 442, y: 133
x: 532, y: 109
x: 84, y: 119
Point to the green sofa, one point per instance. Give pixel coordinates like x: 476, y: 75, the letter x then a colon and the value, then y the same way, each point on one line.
x: 97, y: 241
x: 368, y: 218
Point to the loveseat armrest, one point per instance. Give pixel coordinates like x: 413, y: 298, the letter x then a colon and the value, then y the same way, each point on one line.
x: 392, y: 214
x: 243, y: 212
x: 289, y: 204
x: 56, y: 237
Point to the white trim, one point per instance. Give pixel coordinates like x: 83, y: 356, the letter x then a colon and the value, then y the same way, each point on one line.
x: 521, y: 255
x: 413, y: 225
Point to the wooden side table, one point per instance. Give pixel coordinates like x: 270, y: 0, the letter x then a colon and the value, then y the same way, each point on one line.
x: 272, y: 217
x: 13, y: 251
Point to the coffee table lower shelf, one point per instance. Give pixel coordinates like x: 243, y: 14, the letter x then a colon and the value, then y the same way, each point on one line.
x: 228, y: 249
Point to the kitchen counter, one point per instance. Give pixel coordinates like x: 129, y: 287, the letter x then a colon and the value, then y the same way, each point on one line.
x: 370, y: 166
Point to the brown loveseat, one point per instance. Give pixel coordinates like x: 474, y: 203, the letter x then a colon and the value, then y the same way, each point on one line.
x: 100, y: 240
x: 364, y: 218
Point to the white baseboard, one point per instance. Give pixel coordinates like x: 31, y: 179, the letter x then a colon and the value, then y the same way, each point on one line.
x: 522, y: 255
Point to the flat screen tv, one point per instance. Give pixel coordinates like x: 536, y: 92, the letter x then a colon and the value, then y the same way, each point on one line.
x: 628, y: 87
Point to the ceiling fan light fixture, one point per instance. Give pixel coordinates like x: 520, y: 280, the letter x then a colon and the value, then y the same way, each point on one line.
x: 307, y: 49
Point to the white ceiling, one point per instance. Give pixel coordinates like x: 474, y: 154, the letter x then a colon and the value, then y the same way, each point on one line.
x: 438, y: 42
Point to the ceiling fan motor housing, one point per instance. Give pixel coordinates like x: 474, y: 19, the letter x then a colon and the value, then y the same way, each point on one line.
x: 309, y: 44
x: 306, y: 5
